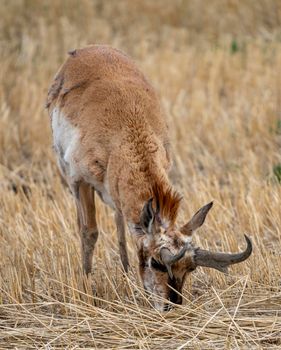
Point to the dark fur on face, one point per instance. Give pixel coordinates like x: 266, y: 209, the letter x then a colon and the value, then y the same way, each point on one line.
x: 158, y: 225
x: 153, y: 271
x: 167, y: 256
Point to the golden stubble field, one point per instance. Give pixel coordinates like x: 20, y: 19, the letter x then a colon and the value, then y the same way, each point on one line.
x: 217, y: 68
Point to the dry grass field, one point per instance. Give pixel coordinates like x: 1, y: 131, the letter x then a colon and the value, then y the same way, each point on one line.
x: 217, y: 66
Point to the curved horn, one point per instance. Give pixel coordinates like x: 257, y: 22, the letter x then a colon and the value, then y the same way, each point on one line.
x: 221, y: 261
x: 169, y: 259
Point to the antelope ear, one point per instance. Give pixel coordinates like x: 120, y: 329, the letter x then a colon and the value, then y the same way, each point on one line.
x: 147, y: 217
x: 197, y: 220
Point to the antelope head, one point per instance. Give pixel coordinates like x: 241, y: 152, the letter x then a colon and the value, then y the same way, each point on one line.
x: 167, y: 255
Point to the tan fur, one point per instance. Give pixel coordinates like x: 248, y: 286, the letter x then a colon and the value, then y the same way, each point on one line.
x: 123, y: 132
x: 168, y: 202
x: 122, y: 152
x: 111, y: 138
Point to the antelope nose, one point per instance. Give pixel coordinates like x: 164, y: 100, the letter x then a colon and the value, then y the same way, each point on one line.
x: 178, y: 300
x: 167, y: 307
x: 175, y: 297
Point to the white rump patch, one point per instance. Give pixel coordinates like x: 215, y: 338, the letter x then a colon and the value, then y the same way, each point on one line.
x: 66, y: 143
x: 70, y: 156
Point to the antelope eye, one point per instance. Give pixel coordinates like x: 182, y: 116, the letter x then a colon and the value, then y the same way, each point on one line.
x: 157, y: 266
x: 138, y: 229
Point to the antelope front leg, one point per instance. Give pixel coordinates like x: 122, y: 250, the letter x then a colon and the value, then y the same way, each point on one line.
x: 122, y: 240
x: 86, y: 210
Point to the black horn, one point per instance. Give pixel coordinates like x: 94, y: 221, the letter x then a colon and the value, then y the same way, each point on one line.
x: 169, y: 259
x: 221, y: 261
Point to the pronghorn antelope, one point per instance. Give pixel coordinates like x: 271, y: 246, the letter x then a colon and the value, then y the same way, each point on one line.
x: 111, y: 138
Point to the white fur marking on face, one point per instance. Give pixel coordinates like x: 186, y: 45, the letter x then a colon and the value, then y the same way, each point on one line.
x: 136, y: 230
x: 187, y: 239
x: 156, y: 289
x: 131, y: 227
x: 66, y: 143
x: 165, y: 224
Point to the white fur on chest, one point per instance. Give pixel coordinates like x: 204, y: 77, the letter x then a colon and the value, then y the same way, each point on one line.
x: 66, y: 143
